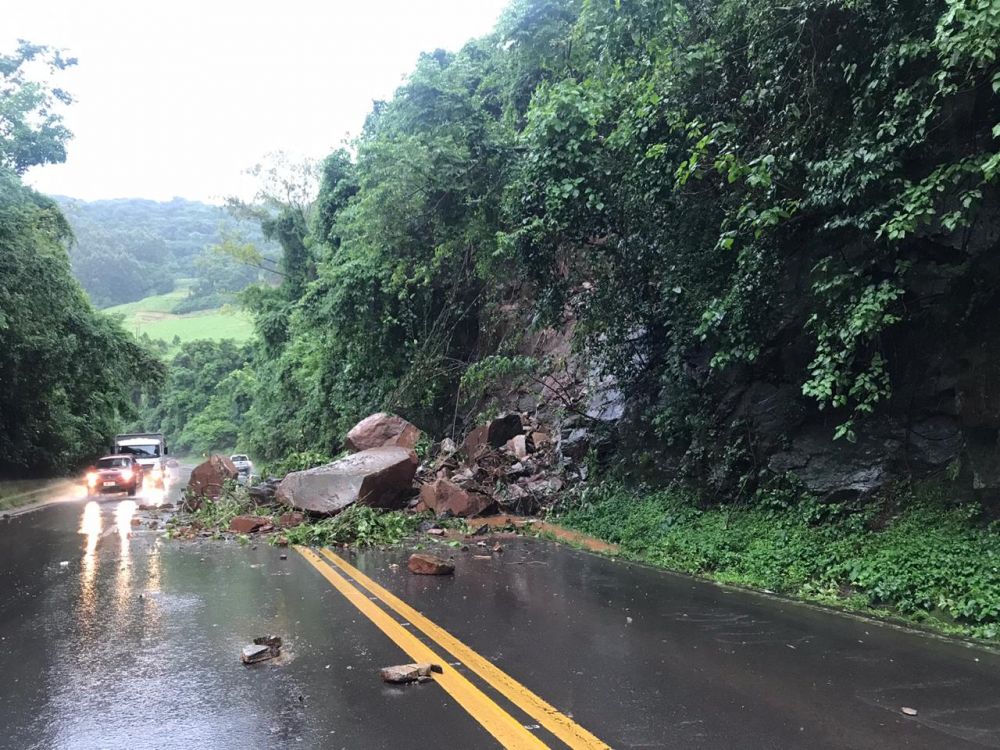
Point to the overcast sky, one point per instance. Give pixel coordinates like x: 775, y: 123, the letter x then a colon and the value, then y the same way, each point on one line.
x: 177, y: 98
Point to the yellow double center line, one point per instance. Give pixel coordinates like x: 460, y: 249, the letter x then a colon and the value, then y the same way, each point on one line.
x: 498, y: 722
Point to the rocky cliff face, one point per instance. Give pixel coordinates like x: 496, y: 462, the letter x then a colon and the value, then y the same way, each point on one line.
x: 943, y: 418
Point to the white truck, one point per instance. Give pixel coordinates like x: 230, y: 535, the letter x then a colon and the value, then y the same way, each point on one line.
x: 149, y: 449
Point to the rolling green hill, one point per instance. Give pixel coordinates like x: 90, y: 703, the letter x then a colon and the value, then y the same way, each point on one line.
x: 154, y: 317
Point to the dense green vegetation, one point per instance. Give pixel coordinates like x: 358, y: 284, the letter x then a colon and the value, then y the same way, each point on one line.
x: 916, y: 555
x: 129, y: 248
x: 705, y: 190
x: 201, y: 404
x: 67, y: 373
x: 357, y: 525
x: 731, y: 171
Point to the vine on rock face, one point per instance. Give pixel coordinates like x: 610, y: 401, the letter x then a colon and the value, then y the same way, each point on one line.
x: 708, y: 192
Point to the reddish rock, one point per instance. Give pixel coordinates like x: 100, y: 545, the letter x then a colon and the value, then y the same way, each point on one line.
x: 424, y: 564
x: 442, y: 495
x: 518, y: 445
x: 290, y: 520
x: 248, y: 524
x: 381, y: 430
x: 379, y: 477
x: 493, y: 434
x: 540, y: 440
x: 208, y: 478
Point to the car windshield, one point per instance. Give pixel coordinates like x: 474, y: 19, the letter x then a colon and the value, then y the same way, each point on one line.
x: 239, y: 458
x: 114, y: 463
x: 145, y: 451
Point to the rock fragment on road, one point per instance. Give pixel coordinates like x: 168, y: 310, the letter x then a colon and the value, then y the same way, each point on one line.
x: 405, y: 673
x: 263, y: 648
x: 422, y: 563
x: 248, y: 524
x: 379, y: 477
x: 208, y: 480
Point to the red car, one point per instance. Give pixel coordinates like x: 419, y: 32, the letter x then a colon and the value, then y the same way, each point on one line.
x: 115, y: 474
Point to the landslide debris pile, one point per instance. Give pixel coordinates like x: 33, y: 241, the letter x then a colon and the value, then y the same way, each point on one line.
x: 510, y: 464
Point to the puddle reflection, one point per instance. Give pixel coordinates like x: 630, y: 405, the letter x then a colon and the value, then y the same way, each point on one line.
x: 124, y: 514
x: 90, y: 526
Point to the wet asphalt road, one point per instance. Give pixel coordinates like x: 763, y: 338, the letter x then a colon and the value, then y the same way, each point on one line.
x: 134, y: 643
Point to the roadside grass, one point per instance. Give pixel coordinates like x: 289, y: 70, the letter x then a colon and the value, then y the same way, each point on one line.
x: 919, y: 557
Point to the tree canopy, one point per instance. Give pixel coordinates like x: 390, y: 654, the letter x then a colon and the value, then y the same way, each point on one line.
x: 31, y: 125
x: 68, y: 375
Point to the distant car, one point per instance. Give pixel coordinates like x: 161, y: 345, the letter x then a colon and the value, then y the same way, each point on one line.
x: 121, y: 473
x: 242, y: 463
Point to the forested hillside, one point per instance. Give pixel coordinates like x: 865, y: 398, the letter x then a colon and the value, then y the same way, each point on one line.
x: 127, y: 249
x: 771, y: 226
x: 739, y: 258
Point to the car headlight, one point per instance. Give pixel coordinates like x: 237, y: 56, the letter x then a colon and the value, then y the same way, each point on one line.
x: 91, y: 477
x: 127, y: 474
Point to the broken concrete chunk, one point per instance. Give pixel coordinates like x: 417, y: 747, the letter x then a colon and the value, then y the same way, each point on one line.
x: 380, y: 430
x: 425, y: 564
x: 379, y: 477
x: 404, y: 673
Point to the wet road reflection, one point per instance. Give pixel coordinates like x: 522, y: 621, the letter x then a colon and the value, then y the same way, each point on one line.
x: 124, y: 513
x: 155, y: 496
x: 90, y: 526
x: 139, y: 649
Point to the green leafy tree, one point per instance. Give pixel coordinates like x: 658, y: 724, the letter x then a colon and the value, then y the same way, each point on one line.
x: 68, y: 374
x: 31, y: 126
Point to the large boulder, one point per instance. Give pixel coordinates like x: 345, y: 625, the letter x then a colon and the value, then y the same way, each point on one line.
x: 208, y: 478
x: 443, y: 496
x: 380, y: 477
x: 380, y: 430
x: 493, y: 434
